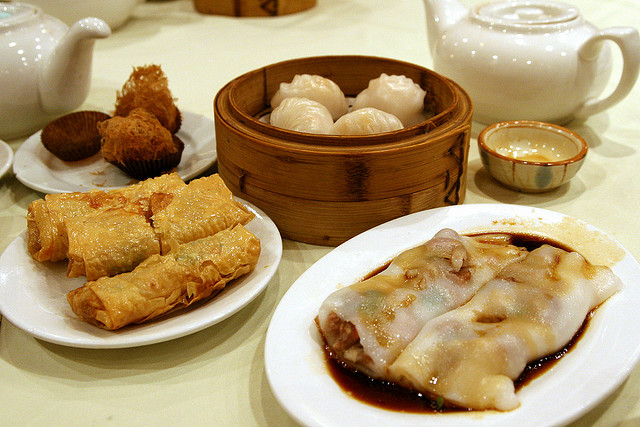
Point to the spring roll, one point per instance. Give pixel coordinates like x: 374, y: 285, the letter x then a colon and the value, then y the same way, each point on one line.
x: 46, y: 228
x: 109, y: 243
x: 47, y: 234
x: 205, y: 207
x: 194, y: 271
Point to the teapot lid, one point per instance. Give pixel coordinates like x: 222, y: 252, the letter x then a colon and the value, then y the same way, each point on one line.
x: 526, y: 13
x: 15, y: 13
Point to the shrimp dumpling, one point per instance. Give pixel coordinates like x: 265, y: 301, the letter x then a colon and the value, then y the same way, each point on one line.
x: 315, y: 87
x: 366, y: 121
x: 302, y: 115
x: 398, y: 95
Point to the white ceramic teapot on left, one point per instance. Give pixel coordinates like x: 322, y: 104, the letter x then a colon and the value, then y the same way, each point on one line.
x: 45, y: 66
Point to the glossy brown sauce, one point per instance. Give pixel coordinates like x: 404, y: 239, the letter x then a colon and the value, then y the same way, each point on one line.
x: 387, y: 395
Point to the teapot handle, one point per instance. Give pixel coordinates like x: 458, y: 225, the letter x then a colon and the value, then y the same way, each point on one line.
x: 628, y: 41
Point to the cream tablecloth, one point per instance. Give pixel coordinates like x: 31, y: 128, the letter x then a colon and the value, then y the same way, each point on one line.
x: 216, y: 376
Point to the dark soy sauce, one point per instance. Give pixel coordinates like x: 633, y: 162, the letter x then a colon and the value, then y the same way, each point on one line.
x: 387, y: 395
x: 382, y: 394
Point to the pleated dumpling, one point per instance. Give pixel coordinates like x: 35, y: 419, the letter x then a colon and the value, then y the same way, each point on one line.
x: 316, y: 88
x: 366, y: 121
x: 398, y: 95
x: 302, y: 115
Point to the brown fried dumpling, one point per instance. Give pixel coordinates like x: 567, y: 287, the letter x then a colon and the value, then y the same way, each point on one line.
x: 139, y: 145
x: 148, y: 88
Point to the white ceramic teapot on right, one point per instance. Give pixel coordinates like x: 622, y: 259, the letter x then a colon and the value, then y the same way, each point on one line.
x: 529, y: 60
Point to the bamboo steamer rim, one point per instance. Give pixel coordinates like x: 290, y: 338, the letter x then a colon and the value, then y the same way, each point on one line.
x: 250, y: 8
x: 293, y: 147
x: 441, y: 123
x: 324, y: 189
x: 422, y: 155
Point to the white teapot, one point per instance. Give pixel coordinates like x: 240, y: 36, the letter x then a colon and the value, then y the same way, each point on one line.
x: 529, y: 60
x: 45, y: 66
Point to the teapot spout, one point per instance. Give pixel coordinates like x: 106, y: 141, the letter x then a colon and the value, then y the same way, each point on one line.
x: 64, y: 78
x: 442, y: 14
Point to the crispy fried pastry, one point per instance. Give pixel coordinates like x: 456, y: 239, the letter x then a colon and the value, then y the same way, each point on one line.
x: 148, y: 88
x: 139, y: 145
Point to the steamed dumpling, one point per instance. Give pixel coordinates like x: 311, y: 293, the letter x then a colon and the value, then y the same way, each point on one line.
x: 398, y: 95
x: 317, y: 88
x: 302, y: 115
x: 366, y: 121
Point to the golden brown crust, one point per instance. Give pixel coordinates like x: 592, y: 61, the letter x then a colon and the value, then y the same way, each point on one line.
x: 195, y: 271
x: 138, y: 136
x: 47, y: 233
x: 201, y: 209
x: 139, y: 144
x: 148, y: 88
x: 108, y: 243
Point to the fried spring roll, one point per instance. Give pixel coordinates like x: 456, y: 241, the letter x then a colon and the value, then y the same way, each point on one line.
x: 205, y: 207
x: 109, y: 243
x: 47, y: 232
x: 194, y: 271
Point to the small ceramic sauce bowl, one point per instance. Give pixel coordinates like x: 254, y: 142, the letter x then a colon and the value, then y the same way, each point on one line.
x: 531, y: 156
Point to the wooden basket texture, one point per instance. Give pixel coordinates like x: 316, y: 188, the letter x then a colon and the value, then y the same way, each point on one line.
x: 252, y: 7
x: 325, y: 189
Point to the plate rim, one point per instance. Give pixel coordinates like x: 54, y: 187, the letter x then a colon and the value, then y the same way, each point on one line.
x: 25, y: 152
x: 8, y: 163
x: 317, y: 378
x: 115, y: 340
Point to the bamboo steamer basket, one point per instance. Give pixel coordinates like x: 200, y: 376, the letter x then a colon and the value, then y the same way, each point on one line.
x: 325, y: 189
x: 252, y: 7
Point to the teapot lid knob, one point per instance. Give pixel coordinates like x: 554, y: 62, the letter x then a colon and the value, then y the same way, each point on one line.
x: 536, y: 12
x: 16, y: 13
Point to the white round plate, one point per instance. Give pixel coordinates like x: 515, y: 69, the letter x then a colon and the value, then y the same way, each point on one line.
x: 602, y: 359
x: 40, y: 170
x: 33, y: 297
x: 6, y: 157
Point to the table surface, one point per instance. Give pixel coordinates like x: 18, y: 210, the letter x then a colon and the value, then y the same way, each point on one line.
x: 216, y: 376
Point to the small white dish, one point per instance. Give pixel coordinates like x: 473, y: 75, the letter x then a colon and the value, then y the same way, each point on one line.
x: 40, y: 170
x: 531, y: 156
x: 6, y: 158
x: 294, y: 358
x: 33, y: 297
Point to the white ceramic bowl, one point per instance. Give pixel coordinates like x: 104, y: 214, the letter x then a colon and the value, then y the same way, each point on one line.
x: 113, y: 12
x: 531, y: 156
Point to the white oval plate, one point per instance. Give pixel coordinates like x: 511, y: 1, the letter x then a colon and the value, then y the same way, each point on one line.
x: 33, y: 297
x: 594, y: 368
x: 6, y: 157
x: 40, y: 170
